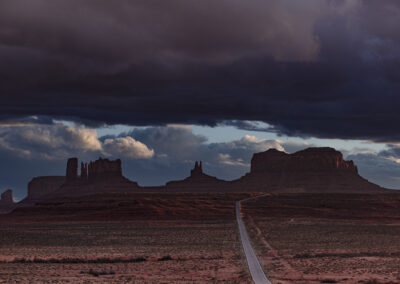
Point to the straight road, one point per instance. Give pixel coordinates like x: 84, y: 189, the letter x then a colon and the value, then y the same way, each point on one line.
x: 254, y: 265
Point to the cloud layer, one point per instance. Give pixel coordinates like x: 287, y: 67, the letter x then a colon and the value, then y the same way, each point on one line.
x: 321, y: 68
x: 324, y: 68
x: 59, y: 141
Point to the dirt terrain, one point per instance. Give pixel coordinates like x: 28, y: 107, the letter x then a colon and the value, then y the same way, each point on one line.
x: 131, y: 206
x: 193, y: 238
x: 327, y: 238
x: 163, y: 239
x: 128, y: 252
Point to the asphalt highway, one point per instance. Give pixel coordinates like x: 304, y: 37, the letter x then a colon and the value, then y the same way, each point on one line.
x: 254, y: 265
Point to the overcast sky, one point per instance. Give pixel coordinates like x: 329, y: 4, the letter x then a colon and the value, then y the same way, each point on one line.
x: 162, y: 83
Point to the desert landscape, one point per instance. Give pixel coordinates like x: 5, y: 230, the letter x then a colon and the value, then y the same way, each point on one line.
x: 327, y: 238
x: 124, y: 238
x: 128, y: 252
x: 200, y: 141
x: 99, y: 227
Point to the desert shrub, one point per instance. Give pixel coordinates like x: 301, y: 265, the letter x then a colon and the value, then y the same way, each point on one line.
x: 328, y: 281
x: 304, y: 255
x: 98, y: 273
x: 165, y: 258
x: 94, y: 273
x: 138, y: 259
x: 341, y: 255
x: 76, y: 260
x: 20, y: 260
x: 372, y: 281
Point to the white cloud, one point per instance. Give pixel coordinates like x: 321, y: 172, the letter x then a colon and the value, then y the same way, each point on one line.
x: 60, y: 141
x: 127, y: 147
x: 226, y: 159
x: 79, y: 138
x: 259, y: 144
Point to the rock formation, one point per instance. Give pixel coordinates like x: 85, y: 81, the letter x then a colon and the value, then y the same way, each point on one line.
x: 102, y: 175
x: 84, y: 171
x: 39, y: 187
x: 7, y: 203
x: 7, y: 197
x: 197, y: 170
x: 96, y: 171
x: 72, y: 170
x: 197, y: 182
x: 309, y: 170
x: 104, y: 168
x: 311, y: 159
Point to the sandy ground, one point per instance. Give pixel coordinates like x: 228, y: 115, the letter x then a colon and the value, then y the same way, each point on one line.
x: 193, y: 238
x: 173, y: 252
x: 298, y: 244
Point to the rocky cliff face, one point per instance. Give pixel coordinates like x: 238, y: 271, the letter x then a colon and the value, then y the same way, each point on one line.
x: 198, y: 181
x: 197, y: 170
x: 72, y: 170
x: 99, y: 170
x: 7, y: 203
x: 7, y: 197
x: 104, y: 168
x: 84, y: 170
x: 311, y: 159
x: 309, y: 170
x: 41, y: 186
x: 102, y: 175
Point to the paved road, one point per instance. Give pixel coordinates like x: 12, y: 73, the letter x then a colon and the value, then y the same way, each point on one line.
x: 254, y: 265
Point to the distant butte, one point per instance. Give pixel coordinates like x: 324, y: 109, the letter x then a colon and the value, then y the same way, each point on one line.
x: 7, y: 202
x: 321, y: 170
x: 198, y: 181
x: 311, y: 159
x: 310, y: 170
x: 100, y: 176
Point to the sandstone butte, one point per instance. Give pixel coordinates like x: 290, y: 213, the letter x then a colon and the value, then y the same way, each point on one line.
x: 6, y: 201
x: 310, y: 170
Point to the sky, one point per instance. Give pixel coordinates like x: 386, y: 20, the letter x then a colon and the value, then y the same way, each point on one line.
x: 161, y: 84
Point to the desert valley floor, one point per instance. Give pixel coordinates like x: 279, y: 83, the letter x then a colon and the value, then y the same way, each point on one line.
x: 193, y: 238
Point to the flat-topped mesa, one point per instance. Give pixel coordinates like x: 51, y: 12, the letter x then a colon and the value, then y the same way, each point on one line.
x: 311, y: 159
x: 100, y: 176
x: 104, y: 168
x: 7, y: 197
x: 42, y: 186
x: 309, y: 170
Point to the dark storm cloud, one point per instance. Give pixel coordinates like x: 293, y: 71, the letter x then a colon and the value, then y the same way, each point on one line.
x: 320, y: 68
x: 7, y: 120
